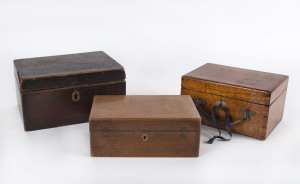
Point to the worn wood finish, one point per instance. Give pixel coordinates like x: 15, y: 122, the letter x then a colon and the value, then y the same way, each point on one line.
x: 45, y: 87
x: 260, y: 92
x: 171, y: 123
x: 53, y: 108
x: 67, y: 70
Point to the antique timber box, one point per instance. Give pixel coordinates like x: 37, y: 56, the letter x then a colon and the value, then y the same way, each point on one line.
x: 254, y: 100
x: 59, y: 90
x: 144, y: 126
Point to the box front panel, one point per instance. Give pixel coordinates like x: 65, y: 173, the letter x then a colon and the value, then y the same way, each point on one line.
x: 255, y: 126
x: 145, y: 144
x: 66, y: 106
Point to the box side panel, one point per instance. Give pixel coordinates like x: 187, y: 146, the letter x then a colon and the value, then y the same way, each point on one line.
x: 53, y: 108
x: 276, y: 112
x: 255, y: 126
x: 279, y: 90
x: 226, y: 90
x: 134, y: 144
x: 19, y: 99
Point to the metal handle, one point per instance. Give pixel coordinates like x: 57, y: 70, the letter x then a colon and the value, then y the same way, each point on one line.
x: 221, y: 105
x: 199, y: 103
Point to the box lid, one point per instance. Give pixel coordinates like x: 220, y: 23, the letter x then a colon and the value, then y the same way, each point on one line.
x: 242, y: 84
x: 151, y: 113
x: 67, y: 71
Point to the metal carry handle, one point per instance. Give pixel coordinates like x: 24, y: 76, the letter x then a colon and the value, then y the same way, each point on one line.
x: 221, y: 105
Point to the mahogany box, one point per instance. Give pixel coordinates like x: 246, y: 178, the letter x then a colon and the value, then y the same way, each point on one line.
x: 59, y: 90
x: 253, y: 100
x: 144, y: 126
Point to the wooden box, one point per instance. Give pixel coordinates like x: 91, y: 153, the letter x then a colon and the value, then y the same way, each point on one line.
x: 144, y: 126
x: 256, y: 98
x: 59, y: 90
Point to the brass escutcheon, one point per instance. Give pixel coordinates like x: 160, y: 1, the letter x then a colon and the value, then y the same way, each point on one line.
x: 144, y: 137
x: 247, y: 113
x: 75, y: 96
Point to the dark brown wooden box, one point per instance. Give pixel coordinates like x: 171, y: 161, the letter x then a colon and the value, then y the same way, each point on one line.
x: 144, y: 126
x: 59, y: 90
x: 261, y: 95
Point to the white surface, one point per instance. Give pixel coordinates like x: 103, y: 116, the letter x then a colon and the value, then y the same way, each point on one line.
x: 157, y: 42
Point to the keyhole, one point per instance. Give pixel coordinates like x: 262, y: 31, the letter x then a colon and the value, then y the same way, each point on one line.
x: 144, y: 137
x: 75, y: 96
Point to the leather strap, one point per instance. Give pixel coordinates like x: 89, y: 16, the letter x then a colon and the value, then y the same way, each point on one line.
x: 213, y: 119
x: 227, y: 124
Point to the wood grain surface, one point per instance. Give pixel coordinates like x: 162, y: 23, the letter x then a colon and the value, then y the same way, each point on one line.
x: 254, y: 127
x: 159, y: 144
x: 45, y: 86
x: 53, y: 108
x: 241, y: 89
x: 276, y: 112
x: 67, y: 70
x: 171, y: 123
x: 247, y: 85
x: 141, y: 107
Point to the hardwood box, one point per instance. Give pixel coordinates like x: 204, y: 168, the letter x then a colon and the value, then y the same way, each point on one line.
x: 256, y: 98
x: 59, y: 90
x: 144, y: 126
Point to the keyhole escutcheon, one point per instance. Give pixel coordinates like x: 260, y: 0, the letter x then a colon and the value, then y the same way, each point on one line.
x: 75, y: 96
x: 144, y: 137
